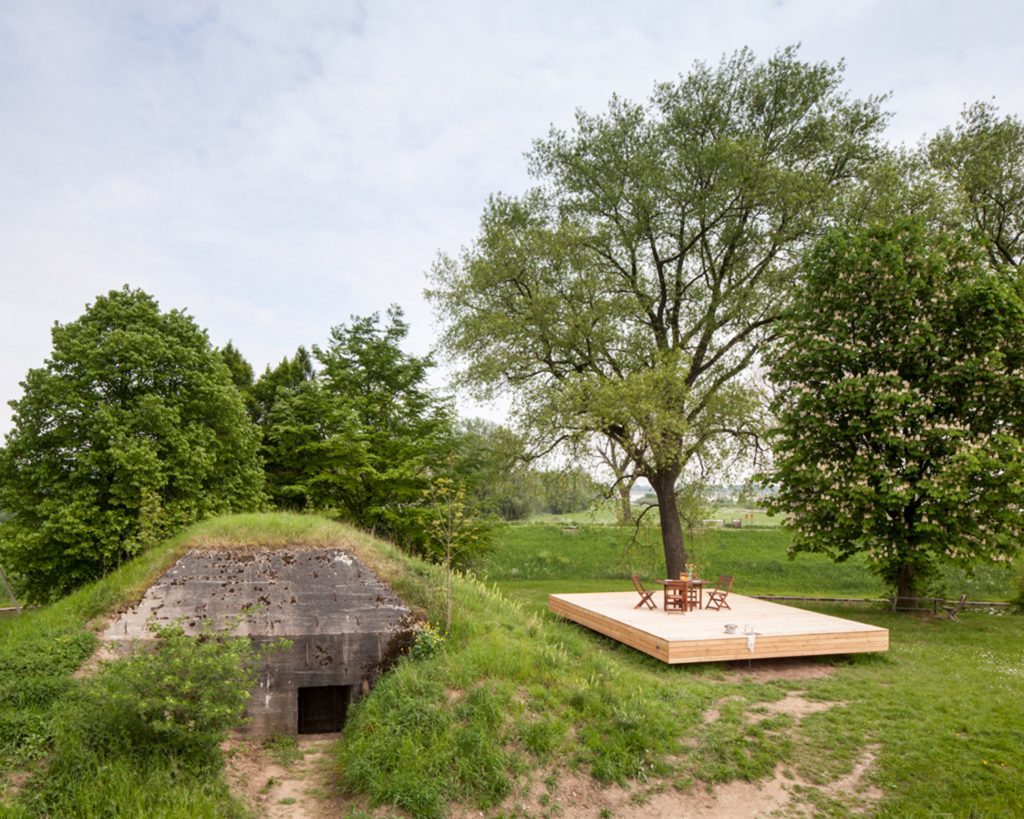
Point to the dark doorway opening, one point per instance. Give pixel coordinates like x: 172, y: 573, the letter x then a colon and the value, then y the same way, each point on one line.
x: 322, y: 708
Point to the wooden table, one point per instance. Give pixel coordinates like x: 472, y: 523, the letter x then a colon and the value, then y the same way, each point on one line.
x: 678, y: 595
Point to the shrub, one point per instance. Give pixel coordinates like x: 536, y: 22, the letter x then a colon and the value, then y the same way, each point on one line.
x: 429, y: 641
x: 184, y: 694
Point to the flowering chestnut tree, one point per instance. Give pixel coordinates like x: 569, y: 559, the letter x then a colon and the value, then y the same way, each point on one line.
x: 900, y: 405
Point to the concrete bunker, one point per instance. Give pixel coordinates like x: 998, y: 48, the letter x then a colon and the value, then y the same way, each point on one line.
x: 345, y: 626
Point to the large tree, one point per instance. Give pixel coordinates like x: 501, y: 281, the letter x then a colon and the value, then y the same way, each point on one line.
x: 361, y: 433
x: 900, y: 384
x: 629, y: 292
x: 131, y: 427
x: 982, y: 159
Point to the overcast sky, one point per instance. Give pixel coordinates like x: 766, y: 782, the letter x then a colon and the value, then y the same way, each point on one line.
x: 276, y: 167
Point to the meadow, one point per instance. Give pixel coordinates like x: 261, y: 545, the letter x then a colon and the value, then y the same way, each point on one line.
x: 531, y: 560
x: 506, y: 713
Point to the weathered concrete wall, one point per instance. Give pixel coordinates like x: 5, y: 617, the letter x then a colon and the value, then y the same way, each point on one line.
x: 345, y: 626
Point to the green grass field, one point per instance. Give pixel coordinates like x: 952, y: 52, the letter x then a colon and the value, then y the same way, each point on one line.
x: 604, y: 512
x: 514, y: 700
x: 944, y: 699
x: 560, y: 558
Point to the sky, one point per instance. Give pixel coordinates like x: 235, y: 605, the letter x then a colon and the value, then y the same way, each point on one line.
x: 275, y: 168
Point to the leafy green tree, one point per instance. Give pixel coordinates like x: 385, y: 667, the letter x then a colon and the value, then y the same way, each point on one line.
x: 240, y: 369
x: 983, y: 160
x: 628, y: 294
x: 455, y: 533
x: 901, y: 405
x: 398, y: 432
x: 491, y: 462
x: 361, y: 433
x: 568, y: 490
x: 307, y: 433
x: 131, y: 428
x: 241, y: 375
x: 290, y: 375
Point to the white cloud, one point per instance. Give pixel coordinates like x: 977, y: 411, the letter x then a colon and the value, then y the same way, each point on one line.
x: 276, y: 167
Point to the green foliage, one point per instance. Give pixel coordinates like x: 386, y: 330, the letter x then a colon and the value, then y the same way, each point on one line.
x: 288, y: 376
x: 568, y: 490
x: 35, y: 672
x: 901, y: 406
x: 146, y: 724
x: 80, y: 782
x: 491, y: 461
x: 241, y: 376
x: 627, y: 294
x: 101, y: 758
x: 429, y: 641
x: 359, y: 435
x: 132, y: 428
x: 185, y: 694
x: 982, y: 159
x: 240, y: 369
x: 454, y: 534
x: 473, y: 718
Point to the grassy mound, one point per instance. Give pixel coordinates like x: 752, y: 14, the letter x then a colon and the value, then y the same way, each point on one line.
x: 43, y: 706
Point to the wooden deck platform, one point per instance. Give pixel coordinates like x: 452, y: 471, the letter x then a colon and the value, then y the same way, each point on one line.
x: 699, y: 636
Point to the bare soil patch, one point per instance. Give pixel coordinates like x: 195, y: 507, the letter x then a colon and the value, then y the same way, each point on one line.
x: 784, y: 668
x: 301, y: 790
x: 797, y: 707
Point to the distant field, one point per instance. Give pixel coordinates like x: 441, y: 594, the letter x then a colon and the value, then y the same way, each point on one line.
x: 605, y: 513
x: 549, y: 558
x: 747, y: 516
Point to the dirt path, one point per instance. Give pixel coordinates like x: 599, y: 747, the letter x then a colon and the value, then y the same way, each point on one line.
x: 286, y: 782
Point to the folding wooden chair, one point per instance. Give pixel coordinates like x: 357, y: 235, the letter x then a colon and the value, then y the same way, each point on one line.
x: 717, y: 596
x: 645, y: 596
x: 676, y: 597
x: 952, y: 609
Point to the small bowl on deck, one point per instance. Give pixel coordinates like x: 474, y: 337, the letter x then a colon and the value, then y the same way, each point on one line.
x: 730, y: 628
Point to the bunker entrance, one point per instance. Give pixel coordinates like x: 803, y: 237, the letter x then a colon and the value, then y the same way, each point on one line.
x: 322, y: 708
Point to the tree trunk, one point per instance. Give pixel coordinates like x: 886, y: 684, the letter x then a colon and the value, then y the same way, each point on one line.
x: 906, y: 582
x: 664, y: 484
x: 626, y: 505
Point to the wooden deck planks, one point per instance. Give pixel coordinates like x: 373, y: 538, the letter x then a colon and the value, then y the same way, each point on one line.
x: 699, y: 636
